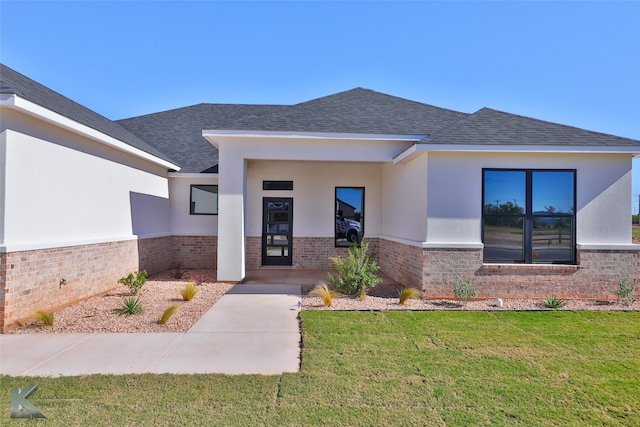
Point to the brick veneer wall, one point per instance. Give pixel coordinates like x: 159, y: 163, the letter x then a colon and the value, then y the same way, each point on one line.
x: 253, y: 252
x: 596, y: 274
x: 401, y: 262
x: 195, y: 251
x: 3, y: 285
x: 154, y: 254
x: 33, y: 277
x: 308, y: 252
x: 30, y: 280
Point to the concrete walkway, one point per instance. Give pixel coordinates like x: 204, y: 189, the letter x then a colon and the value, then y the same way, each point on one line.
x: 253, y: 329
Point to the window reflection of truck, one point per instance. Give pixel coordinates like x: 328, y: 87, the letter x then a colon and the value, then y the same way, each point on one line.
x: 347, y: 227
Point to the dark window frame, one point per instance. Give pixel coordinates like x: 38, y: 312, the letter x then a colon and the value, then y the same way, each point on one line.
x: 529, y: 216
x: 277, y: 185
x: 338, y: 241
x: 192, y: 203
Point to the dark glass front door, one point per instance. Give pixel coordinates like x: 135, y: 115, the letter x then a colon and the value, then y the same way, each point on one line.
x: 277, y: 227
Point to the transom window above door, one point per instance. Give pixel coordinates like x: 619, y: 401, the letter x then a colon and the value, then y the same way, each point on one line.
x: 528, y: 216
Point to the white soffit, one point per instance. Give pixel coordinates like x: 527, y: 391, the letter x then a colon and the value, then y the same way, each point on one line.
x: 214, y: 136
x: 193, y: 175
x: 34, y: 110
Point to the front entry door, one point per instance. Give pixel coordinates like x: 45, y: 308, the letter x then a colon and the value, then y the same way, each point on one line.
x: 277, y: 225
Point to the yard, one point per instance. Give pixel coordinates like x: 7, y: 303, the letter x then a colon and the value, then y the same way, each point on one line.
x: 389, y: 368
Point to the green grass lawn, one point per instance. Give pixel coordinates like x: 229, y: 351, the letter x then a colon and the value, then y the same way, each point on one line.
x: 388, y: 368
x: 635, y: 230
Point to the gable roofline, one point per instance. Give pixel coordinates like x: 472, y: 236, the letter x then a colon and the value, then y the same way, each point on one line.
x: 22, y: 93
x: 17, y: 103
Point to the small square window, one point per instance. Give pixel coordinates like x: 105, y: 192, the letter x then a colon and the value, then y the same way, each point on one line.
x: 204, y: 200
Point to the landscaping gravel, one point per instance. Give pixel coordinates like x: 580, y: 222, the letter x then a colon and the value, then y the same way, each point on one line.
x: 387, y: 303
x: 98, y: 314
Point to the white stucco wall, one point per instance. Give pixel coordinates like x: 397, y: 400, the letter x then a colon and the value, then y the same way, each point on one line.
x: 404, y: 206
x: 182, y: 222
x: 3, y: 158
x: 314, y: 185
x: 603, y: 187
x: 62, y: 189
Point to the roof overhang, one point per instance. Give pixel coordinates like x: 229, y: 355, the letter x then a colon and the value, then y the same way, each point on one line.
x: 29, y: 108
x: 417, y: 150
x: 215, y: 136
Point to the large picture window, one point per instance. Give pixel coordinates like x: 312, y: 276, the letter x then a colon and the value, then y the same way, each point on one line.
x: 204, y: 200
x: 349, y: 206
x: 529, y: 216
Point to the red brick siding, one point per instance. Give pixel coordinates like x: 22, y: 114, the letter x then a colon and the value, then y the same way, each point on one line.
x: 253, y: 252
x: 596, y: 275
x: 403, y: 263
x: 30, y: 280
x: 3, y: 285
x: 33, y: 277
x: 308, y: 252
x: 155, y: 254
x: 195, y: 251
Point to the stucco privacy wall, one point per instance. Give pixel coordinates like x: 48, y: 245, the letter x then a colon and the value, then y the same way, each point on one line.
x: 74, y: 209
x: 454, y: 194
x: 89, y: 191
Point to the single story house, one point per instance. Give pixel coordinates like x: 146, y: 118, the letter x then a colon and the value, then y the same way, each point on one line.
x: 522, y: 207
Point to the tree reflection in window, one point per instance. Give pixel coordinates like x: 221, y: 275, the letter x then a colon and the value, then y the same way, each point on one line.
x: 529, y: 216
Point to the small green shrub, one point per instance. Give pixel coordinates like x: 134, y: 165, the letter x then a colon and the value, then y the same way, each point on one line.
x: 356, y: 273
x: 189, y: 291
x: 408, y: 293
x: 624, y: 291
x: 134, y: 281
x: 464, y: 290
x: 325, y: 293
x: 168, y: 313
x: 45, y: 318
x: 131, y: 305
x: 553, y: 302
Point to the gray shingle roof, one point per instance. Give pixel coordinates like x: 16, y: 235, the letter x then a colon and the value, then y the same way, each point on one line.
x: 12, y: 82
x: 492, y: 127
x: 354, y: 111
x: 178, y: 133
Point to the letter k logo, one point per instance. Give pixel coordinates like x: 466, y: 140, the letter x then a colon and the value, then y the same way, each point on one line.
x: 21, y: 407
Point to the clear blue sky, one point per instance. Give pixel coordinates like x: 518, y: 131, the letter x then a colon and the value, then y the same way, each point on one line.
x: 576, y: 63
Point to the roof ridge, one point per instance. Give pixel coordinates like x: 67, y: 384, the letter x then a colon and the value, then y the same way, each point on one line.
x: 175, y: 110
